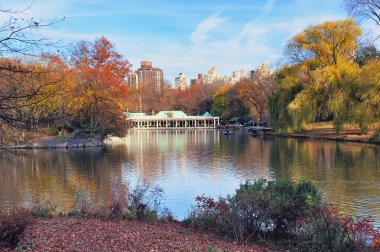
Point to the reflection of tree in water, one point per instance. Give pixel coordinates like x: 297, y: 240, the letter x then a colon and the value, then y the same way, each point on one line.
x: 347, y: 173
x: 58, y: 174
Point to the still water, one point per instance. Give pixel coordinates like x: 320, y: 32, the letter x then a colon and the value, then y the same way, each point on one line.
x: 187, y: 163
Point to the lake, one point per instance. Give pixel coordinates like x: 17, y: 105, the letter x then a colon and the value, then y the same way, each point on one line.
x: 187, y: 163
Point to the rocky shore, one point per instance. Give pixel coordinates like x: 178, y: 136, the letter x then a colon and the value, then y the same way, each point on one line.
x: 76, y: 139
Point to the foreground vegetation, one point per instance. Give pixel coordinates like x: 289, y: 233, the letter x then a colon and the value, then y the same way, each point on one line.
x: 284, y: 214
x: 275, y: 214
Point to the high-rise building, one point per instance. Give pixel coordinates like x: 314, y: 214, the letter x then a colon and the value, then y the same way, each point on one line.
x: 150, y: 76
x: 237, y: 76
x: 211, y: 77
x: 133, y: 80
x: 262, y: 71
x: 180, y: 82
x: 196, y: 81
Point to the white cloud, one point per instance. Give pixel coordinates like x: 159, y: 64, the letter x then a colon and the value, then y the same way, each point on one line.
x: 205, y: 27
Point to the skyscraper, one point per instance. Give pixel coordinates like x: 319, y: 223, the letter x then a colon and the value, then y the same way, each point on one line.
x: 180, y: 82
x: 150, y: 76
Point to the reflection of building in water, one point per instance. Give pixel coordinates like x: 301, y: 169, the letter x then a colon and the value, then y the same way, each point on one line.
x: 171, y: 149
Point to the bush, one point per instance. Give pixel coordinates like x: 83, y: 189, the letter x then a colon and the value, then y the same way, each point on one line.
x: 328, y: 230
x: 42, y: 208
x: 145, y: 202
x: 141, y: 203
x: 262, y: 209
x: 283, y: 213
x: 13, y: 222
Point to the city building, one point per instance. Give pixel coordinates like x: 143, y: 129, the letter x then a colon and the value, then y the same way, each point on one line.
x: 261, y: 71
x: 170, y: 120
x: 211, y: 76
x: 180, y: 82
x: 237, y: 76
x: 196, y: 81
x: 150, y: 76
x: 133, y: 80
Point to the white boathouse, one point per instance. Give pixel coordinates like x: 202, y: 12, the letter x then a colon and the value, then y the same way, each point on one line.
x: 171, y: 120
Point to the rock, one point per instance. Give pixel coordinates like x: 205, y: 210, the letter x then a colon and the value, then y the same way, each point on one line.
x: 78, y: 134
x: 61, y: 145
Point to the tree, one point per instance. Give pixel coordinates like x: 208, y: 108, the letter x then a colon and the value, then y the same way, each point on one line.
x: 24, y: 90
x: 288, y: 86
x: 100, y: 87
x: 366, y: 98
x: 325, y: 58
x: 254, y: 93
x: 18, y: 35
x: 367, y: 53
x: 327, y: 44
x: 364, y: 9
x: 197, y: 99
x: 23, y: 86
x: 219, y: 102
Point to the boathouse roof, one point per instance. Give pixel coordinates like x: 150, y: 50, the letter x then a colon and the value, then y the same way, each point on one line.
x: 207, y: 114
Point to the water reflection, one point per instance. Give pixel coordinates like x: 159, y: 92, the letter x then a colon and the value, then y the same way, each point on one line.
x: 189, y: 163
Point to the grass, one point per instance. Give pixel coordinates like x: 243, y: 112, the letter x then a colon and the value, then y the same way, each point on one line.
x: 349, y: 132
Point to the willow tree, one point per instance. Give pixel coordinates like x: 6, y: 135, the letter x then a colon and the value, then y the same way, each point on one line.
x: 325, y: 55
x: 366, y: 110
x: 288, y: 86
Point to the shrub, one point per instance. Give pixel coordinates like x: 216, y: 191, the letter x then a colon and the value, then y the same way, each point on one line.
x: 285, y: 214
x: 144, y: 202
x: 13, y: 222
x: 259, y: 209
x: 141, y: 203
x: 119, y: 204
x: 328, y: 230
x: 83, y: 204
x: 42, y: 208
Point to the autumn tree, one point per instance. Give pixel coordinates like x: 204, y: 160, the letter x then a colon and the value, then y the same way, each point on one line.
x: 332, y: 43
x: 366, y: 98
x: 197, y: 99
x: 254, y: 92
x: 227, y: 103
x: 288, y: 86
x: 100, y: 87
x: 325, y: 58
x: 23, y: 85
x: 25, y: 91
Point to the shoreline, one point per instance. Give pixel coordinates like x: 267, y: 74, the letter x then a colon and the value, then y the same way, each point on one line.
x: 336, y: 139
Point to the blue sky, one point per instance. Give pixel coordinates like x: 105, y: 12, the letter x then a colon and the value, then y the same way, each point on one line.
x: 188, y: 36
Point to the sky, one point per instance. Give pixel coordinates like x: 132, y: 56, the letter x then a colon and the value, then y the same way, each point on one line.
x: 187, y: 36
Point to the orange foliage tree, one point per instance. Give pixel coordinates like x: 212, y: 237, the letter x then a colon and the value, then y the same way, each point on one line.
x: 254, y: 92
x: 101, y: 89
